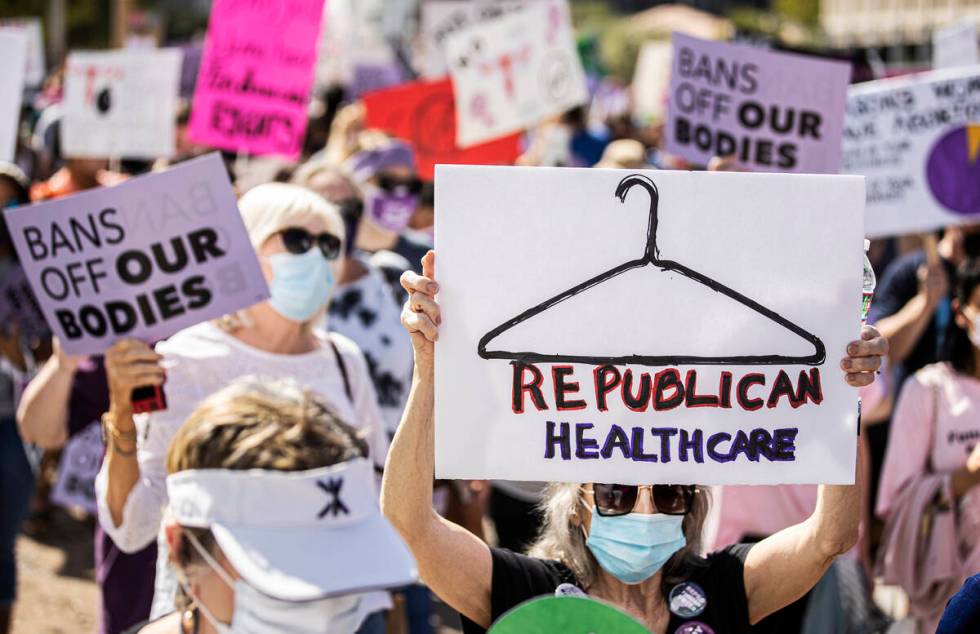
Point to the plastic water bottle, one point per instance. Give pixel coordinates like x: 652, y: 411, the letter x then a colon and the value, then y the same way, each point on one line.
x: 870, y: 281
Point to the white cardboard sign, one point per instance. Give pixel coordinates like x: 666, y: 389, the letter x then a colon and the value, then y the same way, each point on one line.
x: 512, y: 72
x: 917, y: 140
x: 955, y: 45
x: 441, y: 18
x: 121, y: 103
x: 13, y: 53
x: 34, y: 64
x: 651, y: 80
x: 646, y: 326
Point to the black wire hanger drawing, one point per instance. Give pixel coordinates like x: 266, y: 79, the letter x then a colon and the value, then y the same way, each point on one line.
x: 651, y: 257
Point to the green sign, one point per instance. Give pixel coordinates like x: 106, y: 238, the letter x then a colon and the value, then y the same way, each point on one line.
x: 568, y: 615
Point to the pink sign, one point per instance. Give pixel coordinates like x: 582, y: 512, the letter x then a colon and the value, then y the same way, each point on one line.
x: 256, y: 74
x: 142, y: 259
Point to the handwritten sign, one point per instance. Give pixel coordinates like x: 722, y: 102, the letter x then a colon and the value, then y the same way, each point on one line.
x: 19, y: 310
x: 142, y: 259
x: 917, y: 140
x: 34, y: 63
x: 956, y: 45
x: 772, y: 111
x: 80, y: 462
x: 642, y: 327
x: 13, y: 53
x: 441, y: 18
x: 424, y: 114
x: 257, y: 70
x: 512, y: 72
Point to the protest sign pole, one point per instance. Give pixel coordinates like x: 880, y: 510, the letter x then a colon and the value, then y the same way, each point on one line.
x: 115, y: 163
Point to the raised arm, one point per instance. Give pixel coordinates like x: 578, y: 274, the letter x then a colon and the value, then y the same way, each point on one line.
x: 453, y: 562
x: 786, y: 565
x: 42, y: 415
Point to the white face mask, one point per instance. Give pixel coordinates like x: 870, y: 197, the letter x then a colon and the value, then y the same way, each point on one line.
x: 975, y: 333
x: 257, y: 613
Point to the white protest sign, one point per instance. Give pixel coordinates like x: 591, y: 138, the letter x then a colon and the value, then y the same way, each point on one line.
x: 442, y: 18
x: 512, y: 72
x: 917, y: 140
x: 651, y: 80
x: 34, y: 64
x: 144, y: 259
x: 13, y: 53
x: 80, y: 462
x: 771, y: 111
x: 646, y: 326
x: 121, y: 103
x: 955, y: 45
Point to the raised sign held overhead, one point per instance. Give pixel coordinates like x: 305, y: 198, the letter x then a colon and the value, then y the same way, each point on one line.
x: 256, y: 74
x: 617, y: 335
x: 121, y: 103
x: 34, y: 63
x: 512, y: 72
x: 13, y: 53
x: 774, y: 112
x: 142, y: 259
x: 917, y: 140
x: 423, y: 113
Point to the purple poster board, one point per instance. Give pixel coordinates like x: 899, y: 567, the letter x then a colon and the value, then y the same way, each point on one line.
x: 19, y: 310
x: 775, y: 112
x: 257, y: 70
x: 142, y: 259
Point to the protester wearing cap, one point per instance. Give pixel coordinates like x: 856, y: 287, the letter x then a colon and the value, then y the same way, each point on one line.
x: 635, y: 547
x: 384, y: 169
x: 273, y: 523
x: 298, y: 237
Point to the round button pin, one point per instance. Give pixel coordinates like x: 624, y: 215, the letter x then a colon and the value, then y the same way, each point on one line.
x: 687, y: 600
x: 694, y: 627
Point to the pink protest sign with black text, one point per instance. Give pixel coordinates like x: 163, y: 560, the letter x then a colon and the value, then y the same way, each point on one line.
x: 256, y: 74
x: 142, y: 259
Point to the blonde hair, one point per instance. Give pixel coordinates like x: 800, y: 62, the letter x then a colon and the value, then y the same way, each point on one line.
x: 562, y: 540
x: 272, y: 207
x: 256, y: 423
x: 306, y: 173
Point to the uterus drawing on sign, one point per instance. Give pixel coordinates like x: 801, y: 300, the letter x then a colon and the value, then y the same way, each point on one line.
x: 98, y: 86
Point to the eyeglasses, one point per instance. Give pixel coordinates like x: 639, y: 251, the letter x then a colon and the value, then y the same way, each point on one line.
x: 619, y: 499
x: 391, y: 183
x: 298, y: 241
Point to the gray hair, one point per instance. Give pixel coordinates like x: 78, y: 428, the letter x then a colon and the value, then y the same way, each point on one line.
x: 562, y: 540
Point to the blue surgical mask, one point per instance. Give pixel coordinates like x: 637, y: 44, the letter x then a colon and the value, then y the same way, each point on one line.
x: 633, y: 547
x: 300, y: 285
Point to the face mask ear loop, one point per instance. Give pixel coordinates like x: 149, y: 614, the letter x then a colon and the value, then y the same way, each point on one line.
x: 198, y: 607
x: 210, y: 560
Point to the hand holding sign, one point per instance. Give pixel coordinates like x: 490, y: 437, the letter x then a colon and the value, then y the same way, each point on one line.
x: 129, y: 365
x: 421, y: 315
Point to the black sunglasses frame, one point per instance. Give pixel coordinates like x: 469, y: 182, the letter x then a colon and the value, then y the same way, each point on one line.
x: 298, y: 241
x: 391, y: 183
x: 687, y: 491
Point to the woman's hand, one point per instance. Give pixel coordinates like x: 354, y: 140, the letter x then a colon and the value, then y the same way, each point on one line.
x: 65, y: 362
x: 421, y: 315
x: 130, y: 364
x: 864, y: 357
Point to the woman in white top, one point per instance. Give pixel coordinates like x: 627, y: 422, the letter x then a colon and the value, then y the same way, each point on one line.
x: 298, y: 237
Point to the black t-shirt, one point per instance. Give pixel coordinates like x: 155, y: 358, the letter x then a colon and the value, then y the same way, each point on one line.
x: 713, y: 593
x: 898, y: 285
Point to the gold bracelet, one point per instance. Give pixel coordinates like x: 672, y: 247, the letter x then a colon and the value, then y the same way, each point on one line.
x: 111, y: 433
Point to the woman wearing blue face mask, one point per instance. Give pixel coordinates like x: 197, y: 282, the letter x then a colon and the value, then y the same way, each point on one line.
x: 299, y: 239
x: 636, y: 547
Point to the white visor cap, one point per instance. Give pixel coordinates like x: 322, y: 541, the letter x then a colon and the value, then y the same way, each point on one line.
x: 297, y: 535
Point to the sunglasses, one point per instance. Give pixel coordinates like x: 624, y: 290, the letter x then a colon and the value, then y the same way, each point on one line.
x: 298, y: 241
x: 619, y: 499
x: 391, y: 183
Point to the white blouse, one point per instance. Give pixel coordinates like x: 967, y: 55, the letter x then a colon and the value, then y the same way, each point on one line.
x: 199, y: 361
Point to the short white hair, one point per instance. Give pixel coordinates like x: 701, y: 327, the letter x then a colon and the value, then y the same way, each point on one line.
x: 269, y: 208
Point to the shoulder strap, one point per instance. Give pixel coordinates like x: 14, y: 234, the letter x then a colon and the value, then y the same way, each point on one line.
x: 342, y: 368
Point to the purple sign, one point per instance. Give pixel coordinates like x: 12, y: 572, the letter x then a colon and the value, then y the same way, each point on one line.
x: 774, y: 112
x: 953, y: 171
x: 142, y: 259
x: 19, y: 310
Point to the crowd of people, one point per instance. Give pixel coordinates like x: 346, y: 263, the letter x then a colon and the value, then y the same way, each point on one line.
x: 202, y: 523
